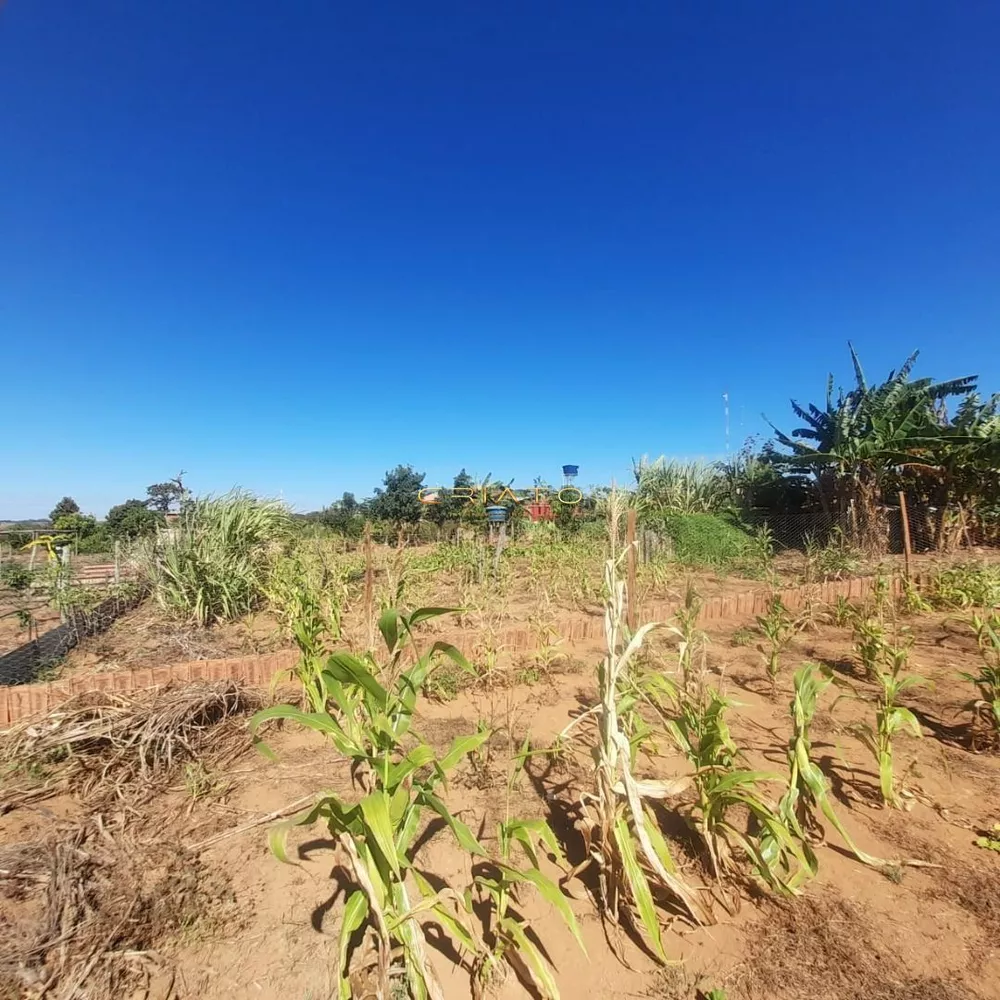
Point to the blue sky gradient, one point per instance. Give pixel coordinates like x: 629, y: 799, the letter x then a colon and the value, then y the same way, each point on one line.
x: 289, y: 246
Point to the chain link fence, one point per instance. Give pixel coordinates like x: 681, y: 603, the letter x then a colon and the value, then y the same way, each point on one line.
x: 931, y: 529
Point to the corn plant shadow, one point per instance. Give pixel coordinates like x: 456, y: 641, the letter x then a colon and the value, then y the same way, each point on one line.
x: 344, y: 886
x: 842, y: 788
x: 958, y: 736
x: 435, y: 934
x: 843, y: 666
x: 760, y: 687
x: 429, y: 832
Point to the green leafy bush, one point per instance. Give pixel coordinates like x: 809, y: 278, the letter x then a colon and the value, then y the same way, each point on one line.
x: 97, y: 542
x: 132, y: 519
x: 703, y: 539
x: 16, y: 576
x: 968, y: 585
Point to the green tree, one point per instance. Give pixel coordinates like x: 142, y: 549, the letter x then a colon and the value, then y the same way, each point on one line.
x: 164, y: 497
x: 344, y: 516
x: 398, y: 501
x: 75, y: 524
x: 65, y: 506
x: 83, y: 530
x: 132, y: 519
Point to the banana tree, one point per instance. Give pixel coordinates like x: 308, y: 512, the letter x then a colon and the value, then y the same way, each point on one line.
x: 868, y: 433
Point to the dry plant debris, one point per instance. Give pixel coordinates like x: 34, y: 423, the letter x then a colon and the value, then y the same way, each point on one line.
x: 100, y: 743
x: 86, y: 908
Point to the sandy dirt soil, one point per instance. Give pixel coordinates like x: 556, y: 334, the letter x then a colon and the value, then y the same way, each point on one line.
x: 270, y: 930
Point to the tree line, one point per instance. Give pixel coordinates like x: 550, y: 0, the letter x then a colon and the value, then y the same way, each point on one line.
x: 124, y: 522
x: 852, y: 454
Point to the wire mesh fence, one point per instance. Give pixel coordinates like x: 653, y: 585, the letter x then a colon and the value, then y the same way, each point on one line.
x: 929, y: 529
x: 44, y: 647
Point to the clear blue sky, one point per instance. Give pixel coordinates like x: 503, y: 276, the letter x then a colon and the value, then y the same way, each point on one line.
x: 289, y: 245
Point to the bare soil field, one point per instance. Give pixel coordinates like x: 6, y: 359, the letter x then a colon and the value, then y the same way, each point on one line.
x: 200, y: 908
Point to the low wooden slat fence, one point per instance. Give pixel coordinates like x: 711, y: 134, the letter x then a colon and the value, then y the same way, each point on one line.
x: 25, y: 700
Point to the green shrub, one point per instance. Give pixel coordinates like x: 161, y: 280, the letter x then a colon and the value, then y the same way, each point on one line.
x: 16, y: 576
x: 703, y: 539
x: 98, y: 542
x: 132, y: 519
x: 967, y: 585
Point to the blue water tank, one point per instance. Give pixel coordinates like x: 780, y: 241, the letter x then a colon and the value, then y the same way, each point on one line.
x: 496, y: 514
x: 570, y: 470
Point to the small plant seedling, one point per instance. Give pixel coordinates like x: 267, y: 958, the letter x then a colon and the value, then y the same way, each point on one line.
x: 991, y: 840
x: 911, y: 601
x: 499, y: 881
x: 986, y: 707
x: 778, y: 628
x: 890, y: 719
x: 808, y: 788
x: 692, y: 639
x: 843, y: 612
x: 869, y: 643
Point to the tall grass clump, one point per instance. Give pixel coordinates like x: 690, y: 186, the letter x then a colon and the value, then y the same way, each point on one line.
x: 678, y: 487
x: 214, y: 565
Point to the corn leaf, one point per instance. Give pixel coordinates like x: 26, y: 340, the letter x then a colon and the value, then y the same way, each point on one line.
x: 462, y: 746
x: 388, y: 625
x: 355, y: 913
x: 349, y: 669
x: 375, y: 809
x: 638, y: 885
x: 538, y: 966
x: 418, y: 757
x: 550, y: 892
x: 462, y: 833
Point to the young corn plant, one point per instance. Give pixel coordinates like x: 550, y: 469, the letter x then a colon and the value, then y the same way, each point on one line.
x: 881, y: 597
x: 724, y: 787
x: 869, y: 644
x: 623, y: 839
x: 843, y: 612
x: 778, y: 628
x: 890, y: 717
x: 986, y: 708
x: 367, y: 715
x: 808, y: 788
x: 309, y: 628
x: 911, y: 601
x: 500, y: 880
x: 691, y: 649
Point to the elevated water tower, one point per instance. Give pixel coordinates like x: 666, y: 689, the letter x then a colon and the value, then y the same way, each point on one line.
x: 569, y: 474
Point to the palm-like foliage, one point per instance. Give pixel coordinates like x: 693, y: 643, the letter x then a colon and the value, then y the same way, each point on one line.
x: 865, y: 433
x: 966, y: 458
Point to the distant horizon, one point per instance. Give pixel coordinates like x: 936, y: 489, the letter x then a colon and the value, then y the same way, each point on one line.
x: 360, y: 494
